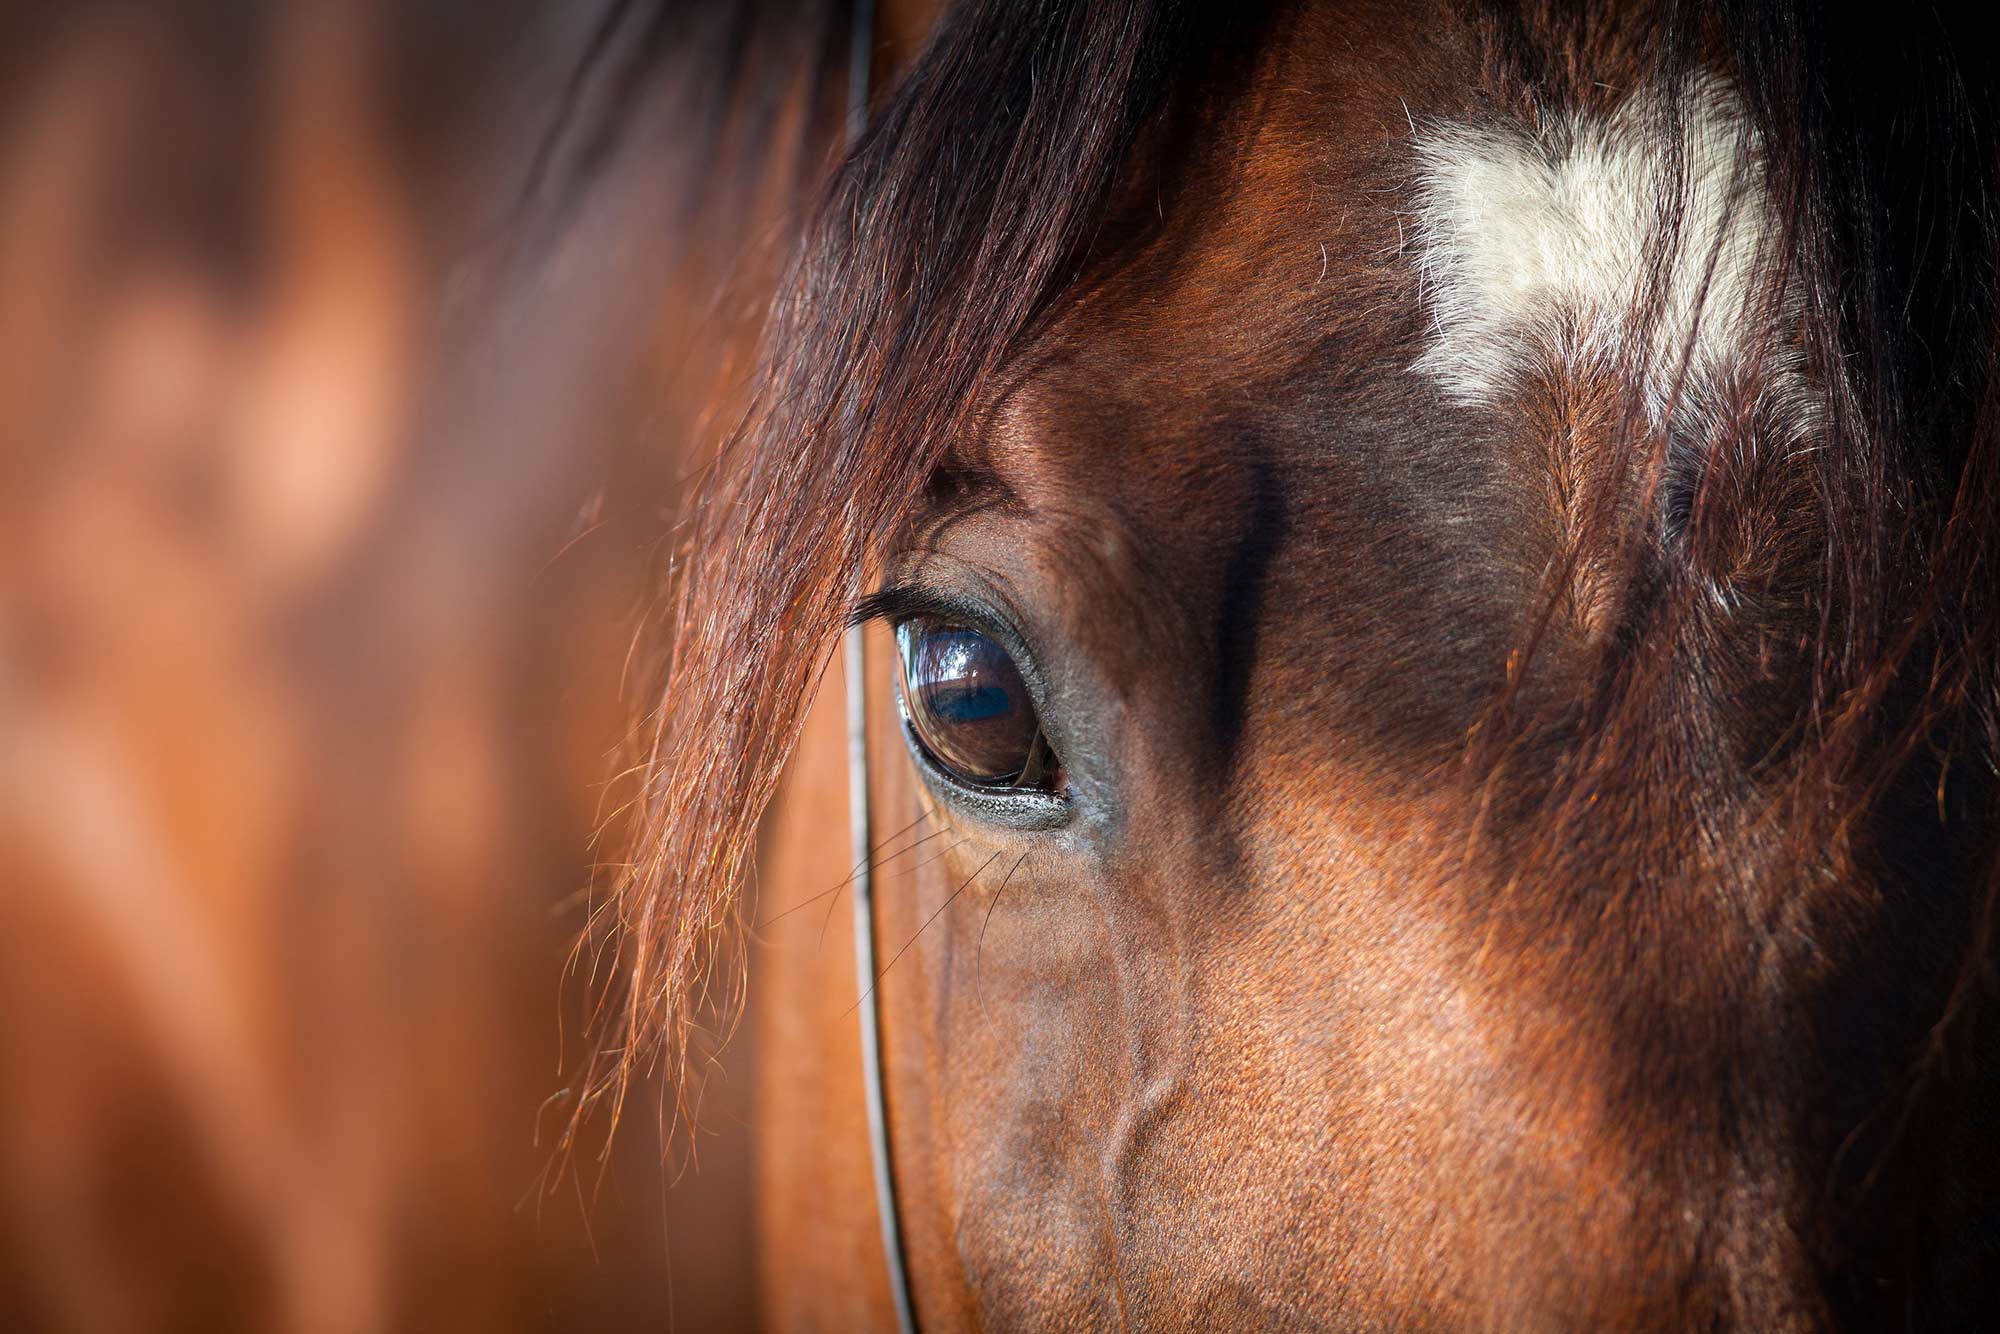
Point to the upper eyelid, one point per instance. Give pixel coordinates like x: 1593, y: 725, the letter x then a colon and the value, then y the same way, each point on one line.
x: 903, y: 600
x: 899, y: 602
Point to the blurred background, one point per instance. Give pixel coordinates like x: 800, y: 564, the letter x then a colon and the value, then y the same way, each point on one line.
x: 336, y: 462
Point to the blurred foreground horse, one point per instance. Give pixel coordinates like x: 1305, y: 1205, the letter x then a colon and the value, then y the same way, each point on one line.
x: 319, y: 548
x: 1426, y: 731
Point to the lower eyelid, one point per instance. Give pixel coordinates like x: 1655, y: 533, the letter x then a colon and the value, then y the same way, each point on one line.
x: 1025, y: 810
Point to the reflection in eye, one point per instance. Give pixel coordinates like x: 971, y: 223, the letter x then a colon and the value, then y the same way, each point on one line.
x: 969, y: 706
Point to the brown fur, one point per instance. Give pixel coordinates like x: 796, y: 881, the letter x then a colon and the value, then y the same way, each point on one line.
x: 1530, y: 868
x: 1510, y: 885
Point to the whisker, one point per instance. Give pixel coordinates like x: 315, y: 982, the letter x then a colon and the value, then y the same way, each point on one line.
x: 827, y: 922
x: 940, y: 856
x: 835, y: 889
x: 979, y: 951
x: 802, y: 904
x: 951, y: 899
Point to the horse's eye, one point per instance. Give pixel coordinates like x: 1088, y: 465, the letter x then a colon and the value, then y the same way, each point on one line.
x: 969, y: 706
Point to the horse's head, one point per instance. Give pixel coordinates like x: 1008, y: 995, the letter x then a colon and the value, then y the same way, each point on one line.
x: 1437, y: 695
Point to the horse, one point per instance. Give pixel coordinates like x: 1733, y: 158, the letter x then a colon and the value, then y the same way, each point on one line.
x: 1318, y: 664
x: 1424, y: 707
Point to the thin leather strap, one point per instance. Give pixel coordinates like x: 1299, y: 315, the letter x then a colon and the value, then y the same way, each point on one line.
x: 861, y: 51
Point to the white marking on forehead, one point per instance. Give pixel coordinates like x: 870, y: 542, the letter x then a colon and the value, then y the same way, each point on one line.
x: 1537, y: 250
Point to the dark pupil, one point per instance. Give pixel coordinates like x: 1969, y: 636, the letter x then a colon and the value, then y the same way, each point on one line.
x: 967, y: 702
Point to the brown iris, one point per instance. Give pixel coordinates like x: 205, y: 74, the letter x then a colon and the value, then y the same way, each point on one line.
x: 969, y: 706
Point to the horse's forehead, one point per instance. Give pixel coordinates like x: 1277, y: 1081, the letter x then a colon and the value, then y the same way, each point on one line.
x: 1341, y: 238
x: 1287, y: 228
x: 1368, y: 330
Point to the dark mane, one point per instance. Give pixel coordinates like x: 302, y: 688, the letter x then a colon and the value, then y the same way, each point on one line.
x: 969, y: 208
x: 949, y: 229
